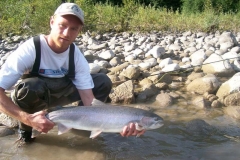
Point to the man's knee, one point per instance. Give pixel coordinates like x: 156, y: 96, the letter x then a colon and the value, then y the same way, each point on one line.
x: 102, y: 86
x: 31, y: 92
x: 102, y: 80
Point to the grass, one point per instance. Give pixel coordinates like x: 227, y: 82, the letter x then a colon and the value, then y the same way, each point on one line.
x: 32, y: 17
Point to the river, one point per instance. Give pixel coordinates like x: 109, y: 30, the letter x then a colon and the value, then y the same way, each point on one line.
x: 189, y: 133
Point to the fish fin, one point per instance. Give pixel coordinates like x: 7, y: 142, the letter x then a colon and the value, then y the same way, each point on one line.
x: 62, y: 129
x: 96, y: 102
x: 94, y: 134
x: 35, y: 133
x: 138, y: 135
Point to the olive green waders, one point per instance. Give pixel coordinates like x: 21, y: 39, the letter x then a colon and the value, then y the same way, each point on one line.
x: 37, y: 93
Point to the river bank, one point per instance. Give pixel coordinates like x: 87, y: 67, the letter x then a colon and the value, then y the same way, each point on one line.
x: 162, y: 69
x: 190, y: 79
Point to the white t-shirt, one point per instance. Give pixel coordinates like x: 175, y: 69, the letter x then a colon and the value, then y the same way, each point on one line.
x: 53, y: 65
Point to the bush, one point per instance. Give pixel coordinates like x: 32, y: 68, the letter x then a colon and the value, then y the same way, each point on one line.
x: 26, y: 15
x: 32, y: 17
x: 218, y: 6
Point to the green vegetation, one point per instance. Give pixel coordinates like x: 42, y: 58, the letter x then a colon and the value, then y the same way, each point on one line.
x: 32, y: 16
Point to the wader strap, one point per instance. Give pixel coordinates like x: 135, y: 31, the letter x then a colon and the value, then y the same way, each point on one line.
x: 35, y: 70
x: 36, y: 65
x: 71, y: 65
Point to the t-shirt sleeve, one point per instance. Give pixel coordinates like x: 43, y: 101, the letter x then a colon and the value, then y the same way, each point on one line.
x: 83, y: 79
x: 17, y: 63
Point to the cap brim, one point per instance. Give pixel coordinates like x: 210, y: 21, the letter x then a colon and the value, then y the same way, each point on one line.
x: 67, y: 13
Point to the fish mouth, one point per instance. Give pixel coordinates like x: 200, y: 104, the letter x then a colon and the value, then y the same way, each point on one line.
x: 158, y: 124
x: 161, y: 124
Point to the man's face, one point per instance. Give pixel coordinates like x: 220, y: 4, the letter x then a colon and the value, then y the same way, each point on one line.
x: 64, y: 30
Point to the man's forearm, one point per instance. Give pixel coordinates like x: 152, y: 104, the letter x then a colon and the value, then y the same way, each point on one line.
x: 9, y: 108
x: 86, y: 96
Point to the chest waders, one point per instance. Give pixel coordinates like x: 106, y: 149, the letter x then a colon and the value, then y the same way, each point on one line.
x: 35, y: 92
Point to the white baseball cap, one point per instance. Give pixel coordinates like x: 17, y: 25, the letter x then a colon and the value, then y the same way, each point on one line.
x: 70, y: 8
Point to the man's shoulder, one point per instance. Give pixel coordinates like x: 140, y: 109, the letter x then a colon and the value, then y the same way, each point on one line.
x: 26, y: 45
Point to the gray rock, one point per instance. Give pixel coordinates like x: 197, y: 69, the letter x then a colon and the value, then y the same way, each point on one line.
x: 232, y: 111
x: 164, y: 100
x: 208, y: 83
x: 8, y: 121
x: 6, y: 131
x: 123, y: 93
x: 131, y: 73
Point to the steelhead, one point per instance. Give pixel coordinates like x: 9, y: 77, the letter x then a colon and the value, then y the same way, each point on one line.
x: 100, y: 118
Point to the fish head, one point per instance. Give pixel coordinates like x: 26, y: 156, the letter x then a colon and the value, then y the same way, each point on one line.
x: 149, y: 123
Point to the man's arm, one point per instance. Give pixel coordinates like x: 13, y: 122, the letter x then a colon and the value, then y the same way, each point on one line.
x: 86, y: 96
x: 37, y: 120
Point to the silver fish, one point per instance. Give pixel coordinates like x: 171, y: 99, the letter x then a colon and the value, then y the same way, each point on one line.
x: 103, y: 118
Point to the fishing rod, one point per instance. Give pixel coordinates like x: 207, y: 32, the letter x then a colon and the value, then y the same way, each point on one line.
x: 183, y: 70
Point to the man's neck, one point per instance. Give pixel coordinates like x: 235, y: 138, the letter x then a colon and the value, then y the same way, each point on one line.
x: 53, y: 46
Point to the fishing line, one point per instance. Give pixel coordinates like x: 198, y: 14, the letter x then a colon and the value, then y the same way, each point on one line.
x: 183, y: 70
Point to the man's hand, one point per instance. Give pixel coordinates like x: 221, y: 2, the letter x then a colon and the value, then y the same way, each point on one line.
x: 130, y: 130
x: 39, y: 122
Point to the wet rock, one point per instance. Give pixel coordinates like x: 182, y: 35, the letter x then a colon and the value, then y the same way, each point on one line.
x: 175, y: 47
x: 198, y: 57
x: 8, y: 121
x: 89, y: 56
x: 107, y: 55
x: 208, y: 83
x: 174, y: 95
x: 148, y: 91
x: 162, y: 86
x: 123, y: 93
x: 171, y: 67
x: 94, y: 68
x: 201, y: 103
x: 227, y: 37
x: 215, y: 65
x: 232, y: 111
x: 115, y: 61
x: 6, y: 131
x: 195, y: 75
x: 236, y: 49
x: 156, y: 51
x: 236, y: 65
x: 131, y: 73
x: 164, y: 100
x: 145, y: 81
x: 130, y: 47
x: 198, y: 127
x: 114, y: 78
x: 119, y: 68
x: 216, y: 104
x: 228, y: 87
x: 103, y: 64
x: 232, y: 99
x: 165, y: 62
x: 210, y: 97
x: 97, y: 47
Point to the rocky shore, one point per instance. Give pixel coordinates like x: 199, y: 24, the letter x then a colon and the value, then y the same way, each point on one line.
x: 161, y: 68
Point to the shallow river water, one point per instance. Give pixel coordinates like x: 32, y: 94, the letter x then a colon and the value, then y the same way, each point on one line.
x: 187, y: 133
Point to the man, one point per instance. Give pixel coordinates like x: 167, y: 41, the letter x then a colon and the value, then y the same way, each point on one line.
x: 50, y: 84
